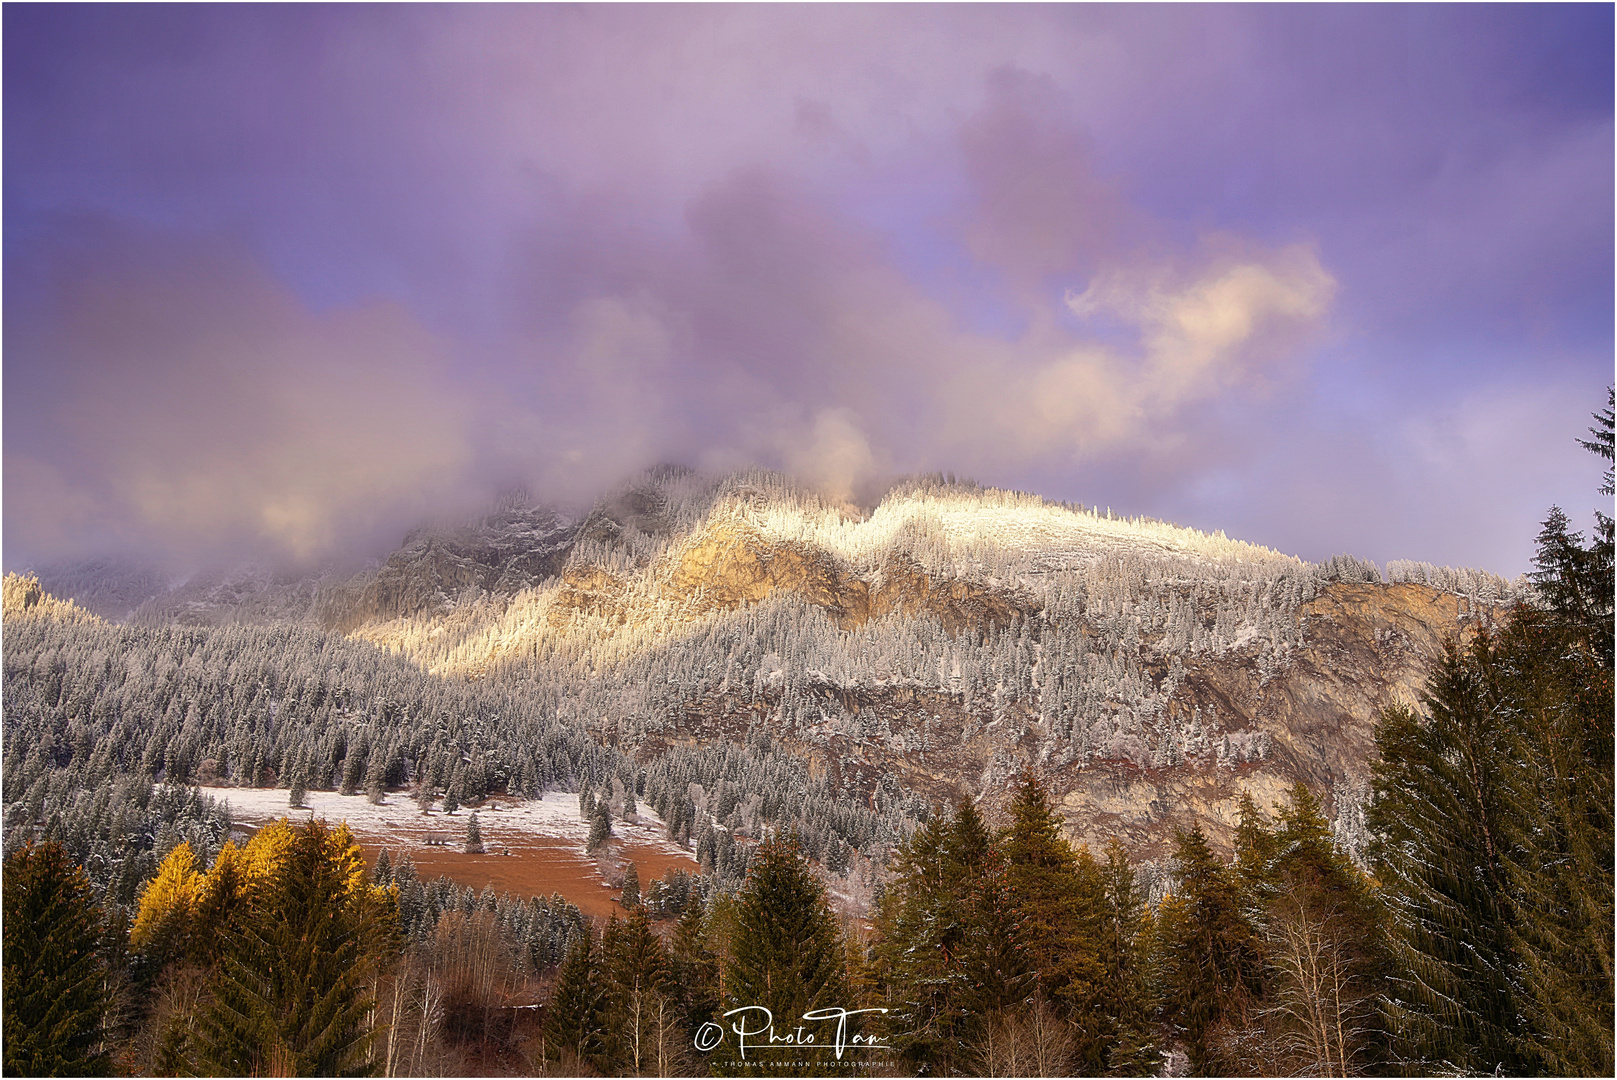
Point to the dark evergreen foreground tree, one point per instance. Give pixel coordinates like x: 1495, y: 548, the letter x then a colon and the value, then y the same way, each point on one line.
x: 1495, y: 813
x: 644, y: 1019
x: 55, y: 982
x: 1124, y: 1003
x: 575, y: 1022
x: 787, y: 956
x: 950, y: 946
x: 1321, y: 937
x: 1208, y: 956
x: 1060, y: 892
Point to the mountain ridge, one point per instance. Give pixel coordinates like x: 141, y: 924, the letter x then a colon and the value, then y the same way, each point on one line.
x: 933, y: 647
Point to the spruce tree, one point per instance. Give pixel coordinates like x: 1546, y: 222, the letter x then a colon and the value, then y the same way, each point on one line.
x: 643, y: 1019
x: 600, y: 828
x: 164, y: 928
x: 1324, y: 954
x: 574, y: 1028
x: 695, y: 970
x: 1060, y: 895
x: 55, y: 997
x: 474, y: 836
x: 630, y: 898
x: 1558, y: 859
x: 1208, y: 964
x: 786, y: 955
x: 949, y: 945
x: 1494, y: 814
x: 1438, y: 818
x: 1124, y: 1003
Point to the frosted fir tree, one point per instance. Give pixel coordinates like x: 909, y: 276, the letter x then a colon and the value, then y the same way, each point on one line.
x: 631, y: 888
x: 600, y: 828
x: 295, y: 798
x: 474, y: 836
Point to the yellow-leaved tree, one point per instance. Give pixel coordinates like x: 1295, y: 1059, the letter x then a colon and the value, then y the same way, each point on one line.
x: 166, y: 914
x: 293, y: 935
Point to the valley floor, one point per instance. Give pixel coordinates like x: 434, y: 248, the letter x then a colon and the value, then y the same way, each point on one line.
x: 533, y: 846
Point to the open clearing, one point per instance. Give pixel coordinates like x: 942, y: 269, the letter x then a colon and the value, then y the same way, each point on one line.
x: 533, y: 846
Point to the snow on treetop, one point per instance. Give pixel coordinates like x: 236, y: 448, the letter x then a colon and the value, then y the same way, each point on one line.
x: 951, y: 526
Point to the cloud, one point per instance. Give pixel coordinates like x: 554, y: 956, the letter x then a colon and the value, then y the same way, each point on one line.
x: 777, y: 332
x: 1216, y: 329
x: 173, y: 397
x: 1039, y: 208
x: 778, y: 329
x: 1082, y: 250
x: 181, y: 398
x: 836, y: 456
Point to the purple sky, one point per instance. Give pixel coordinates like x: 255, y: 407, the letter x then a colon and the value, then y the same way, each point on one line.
x: 280, y: 280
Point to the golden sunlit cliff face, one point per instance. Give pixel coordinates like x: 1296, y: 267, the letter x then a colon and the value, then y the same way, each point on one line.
x: 732, y: 559
x: 713, y: 572
x: 1151, y: 674
x: 24, y: 598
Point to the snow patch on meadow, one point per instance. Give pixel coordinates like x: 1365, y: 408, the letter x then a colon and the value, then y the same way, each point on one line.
x: 399, y: 823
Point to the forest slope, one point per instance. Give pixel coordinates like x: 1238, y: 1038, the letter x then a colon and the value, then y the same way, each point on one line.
x: 933, y: 647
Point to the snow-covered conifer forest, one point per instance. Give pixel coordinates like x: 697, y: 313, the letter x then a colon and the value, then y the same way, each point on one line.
x: 746, y: 659
x: 1066, y: 621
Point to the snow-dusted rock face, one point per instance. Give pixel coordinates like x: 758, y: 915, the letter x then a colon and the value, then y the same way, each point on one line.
x: 515, y: 548
x: 110, y: 588
x: 926, y: 650
x: 936, y: 646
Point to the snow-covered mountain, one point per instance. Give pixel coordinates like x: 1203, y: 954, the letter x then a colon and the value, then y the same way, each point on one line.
x: 929, y: 649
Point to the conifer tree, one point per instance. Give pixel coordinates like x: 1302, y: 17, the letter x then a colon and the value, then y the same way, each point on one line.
x: 949, y: 941
x: 786, y: 953
x: 1494, y: 814
x: 695, y: 970
x: 55, y: 997
x: 1123, y: 1003
x: 1438, y: 815
x: 1559, y: 830
x: 630, y: 897
x: 1324, y: 958
x: 292, y: 994
x: 642, y: 1016
x: 574, y: 1028
x: 992, y: 966
x: 474, y: 836
x: 600, y: 828
x: 1060, y: 894
x: 164, y: 927
x: 1208, y: 965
